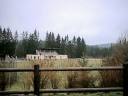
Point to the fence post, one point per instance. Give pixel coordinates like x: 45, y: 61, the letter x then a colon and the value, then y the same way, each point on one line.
x: 125, y: 79
x: 36, y: 80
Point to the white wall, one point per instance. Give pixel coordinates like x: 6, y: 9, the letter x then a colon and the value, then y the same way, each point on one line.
x: 41, y: 57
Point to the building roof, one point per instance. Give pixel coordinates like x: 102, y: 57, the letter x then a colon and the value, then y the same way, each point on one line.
x: 49, y: 49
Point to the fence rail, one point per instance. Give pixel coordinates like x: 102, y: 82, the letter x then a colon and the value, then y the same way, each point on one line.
x: 72, y: 90
x: 36, y: 82
x: 62, y: 69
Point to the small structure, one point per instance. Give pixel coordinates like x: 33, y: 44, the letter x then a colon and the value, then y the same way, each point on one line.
x: 49, y: 53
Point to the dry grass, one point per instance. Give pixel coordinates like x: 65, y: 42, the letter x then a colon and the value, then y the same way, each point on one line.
x: 119, y: 57
x: 94, y: 62
x: 7, y: 79
x: 56, y: 79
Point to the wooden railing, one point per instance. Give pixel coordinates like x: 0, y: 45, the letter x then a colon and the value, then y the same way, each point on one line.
x: 36, y: 82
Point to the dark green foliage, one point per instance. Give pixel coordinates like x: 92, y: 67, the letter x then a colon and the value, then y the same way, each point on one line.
x: 28, y: 45
x: 63, y: 46
x: 50, y: 40
x: 19, y: 52
x: 74, y: 48
x: 92, y: 94
x: 7, y: 79
x: 98, y: 52
x: 58, y: 43
x: 7, y: 43
x: 33, y: 43
x: 10, y: 45
x: 80, y: 47
x: 119, y: 56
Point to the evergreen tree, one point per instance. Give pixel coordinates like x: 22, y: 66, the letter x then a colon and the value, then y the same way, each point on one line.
x: 50, y: 41
x: 83, y: 47
x: 74, y: 47
x: 33, y: 43
x: 58, y: 41
x: 47, y: 40
x: 25, y: 43
x: 7, y: 43
x: 19, y: 52
x: 53, y: 45
x: 78, y: 48
x: 63, y: 46
x: 70, y: 49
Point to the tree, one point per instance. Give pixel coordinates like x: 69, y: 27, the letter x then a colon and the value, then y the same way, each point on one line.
x: 47, y: 40
x: 15, y: 40
x: 75, y: 48
x: 28, y: 45
x: 25, y: 43
x: 83, y: 47
x: 70, y: 49
x: 53, y: 45
x: 33, y: 43
x: 50, y: 41
x: 63, y: 45
x: 58, y: 43
x: 74, y: 53
x: 19, y: 52
x: 78, y: 48
x: 7, y: 43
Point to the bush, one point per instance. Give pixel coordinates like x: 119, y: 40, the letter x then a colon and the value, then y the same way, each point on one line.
x: 119, y: 57
x: 79, y: 79
x: 7, y: 79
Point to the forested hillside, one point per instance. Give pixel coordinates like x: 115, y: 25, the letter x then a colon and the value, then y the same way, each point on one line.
x: 12, y: 45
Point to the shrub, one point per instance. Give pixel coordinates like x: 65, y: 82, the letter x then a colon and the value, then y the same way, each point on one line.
x: 119, y: 57
x: 79, y: 79
x: 7, y: 79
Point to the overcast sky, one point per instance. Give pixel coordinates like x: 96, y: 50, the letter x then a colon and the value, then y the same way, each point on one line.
x: 98, y: 21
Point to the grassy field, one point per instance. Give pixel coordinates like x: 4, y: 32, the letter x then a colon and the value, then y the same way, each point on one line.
x: 94, y: 94
x: 59, y: 79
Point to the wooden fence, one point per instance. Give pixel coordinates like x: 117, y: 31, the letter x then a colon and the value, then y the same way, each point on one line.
x: 36, y: 81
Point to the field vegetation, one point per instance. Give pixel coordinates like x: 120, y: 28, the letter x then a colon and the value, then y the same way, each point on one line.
x: 55, y: 80
x: 80, y: 55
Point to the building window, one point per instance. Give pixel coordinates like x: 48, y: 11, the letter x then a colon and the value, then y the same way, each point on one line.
x: 34, y: 57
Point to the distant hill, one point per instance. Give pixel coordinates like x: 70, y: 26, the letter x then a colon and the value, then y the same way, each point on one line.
x: 99, y: 51
x: 101, y: 45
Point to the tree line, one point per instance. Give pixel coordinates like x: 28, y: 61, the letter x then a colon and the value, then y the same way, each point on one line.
x: 13, y: 45
x: 74, y: 48
x: 7, y: 42
x: 28, y: 44
x: 98, y: 52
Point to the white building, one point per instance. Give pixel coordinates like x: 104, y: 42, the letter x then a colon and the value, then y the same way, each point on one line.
x: 45, y: 54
